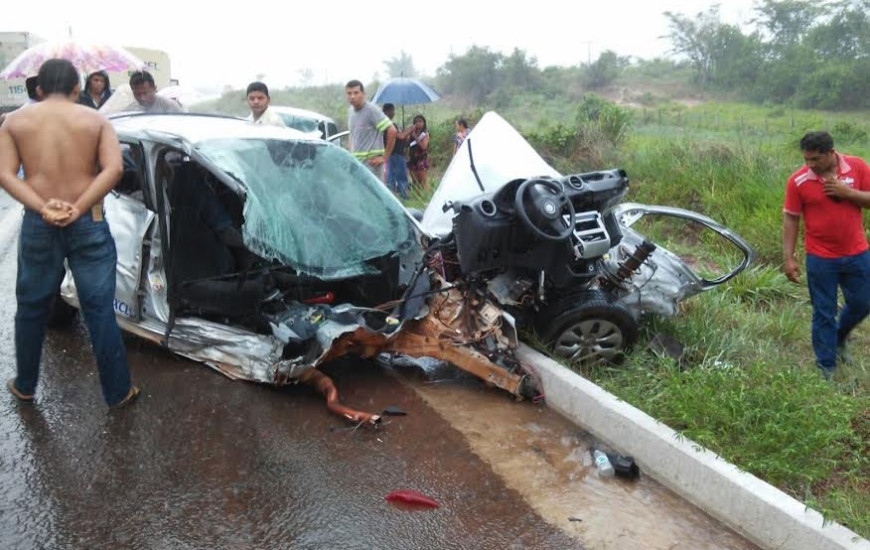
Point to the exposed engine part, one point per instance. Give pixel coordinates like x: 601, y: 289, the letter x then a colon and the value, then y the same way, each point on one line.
x: 324, y: 385
x: 631, y: 264
x: 459, y: 328
x: 509, y: 289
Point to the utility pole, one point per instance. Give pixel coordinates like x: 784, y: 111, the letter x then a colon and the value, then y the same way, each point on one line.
x: 588, y: 51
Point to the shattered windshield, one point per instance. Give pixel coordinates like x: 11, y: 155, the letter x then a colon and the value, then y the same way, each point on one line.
x: 311, y: 206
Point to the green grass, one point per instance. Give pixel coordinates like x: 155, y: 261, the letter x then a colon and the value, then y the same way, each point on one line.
x: 747, y: 387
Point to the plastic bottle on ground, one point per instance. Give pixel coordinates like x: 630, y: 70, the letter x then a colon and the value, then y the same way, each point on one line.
x: 602, y: 464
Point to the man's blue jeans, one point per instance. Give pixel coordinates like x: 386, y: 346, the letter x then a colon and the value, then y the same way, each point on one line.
x: 90, y: 250
x: 397, y: 175
x: 824, y: 276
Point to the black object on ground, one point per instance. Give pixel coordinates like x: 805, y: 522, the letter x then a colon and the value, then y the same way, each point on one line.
x: 624, y: 466
x: 392, y: 410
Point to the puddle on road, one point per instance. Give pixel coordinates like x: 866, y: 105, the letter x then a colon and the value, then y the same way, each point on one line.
x: 547, y: 460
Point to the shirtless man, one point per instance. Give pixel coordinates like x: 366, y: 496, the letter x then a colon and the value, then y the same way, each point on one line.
x: 72, y: 160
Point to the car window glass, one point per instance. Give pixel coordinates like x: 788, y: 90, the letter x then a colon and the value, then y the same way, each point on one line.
x: 312, y: 205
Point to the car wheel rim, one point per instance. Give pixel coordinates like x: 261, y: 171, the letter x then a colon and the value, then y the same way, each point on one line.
x: 590, y: 342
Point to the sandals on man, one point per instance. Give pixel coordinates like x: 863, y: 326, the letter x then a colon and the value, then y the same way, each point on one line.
x: 23, y: 397
x: 131, y: 396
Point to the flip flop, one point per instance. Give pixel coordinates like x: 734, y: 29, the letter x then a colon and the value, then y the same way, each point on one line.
x: 130, y: 397
x: 17, y: 393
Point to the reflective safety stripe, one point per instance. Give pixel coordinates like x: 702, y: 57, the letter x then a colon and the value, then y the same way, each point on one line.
x: 369, y: 154
x: 384, y: 124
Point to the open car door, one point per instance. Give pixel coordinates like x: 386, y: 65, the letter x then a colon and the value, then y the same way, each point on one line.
x: 130, y: 219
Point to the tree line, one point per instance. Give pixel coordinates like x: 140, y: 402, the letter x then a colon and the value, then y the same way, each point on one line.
x: 810, y: 54
x: 813, y: 54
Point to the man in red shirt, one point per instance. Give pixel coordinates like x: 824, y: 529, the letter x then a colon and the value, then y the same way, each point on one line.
x: 829, y: 193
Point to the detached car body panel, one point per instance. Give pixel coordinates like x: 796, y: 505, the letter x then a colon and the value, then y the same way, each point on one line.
x: 495, y: 154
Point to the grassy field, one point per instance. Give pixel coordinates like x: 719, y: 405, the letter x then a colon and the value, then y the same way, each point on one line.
x: 751, y: 391
x: 746, y: 385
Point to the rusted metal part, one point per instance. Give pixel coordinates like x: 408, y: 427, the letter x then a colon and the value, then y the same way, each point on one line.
x: 418, y: 339
x: 324, y: 385
x: 425, y: 338
x: 455, y: 323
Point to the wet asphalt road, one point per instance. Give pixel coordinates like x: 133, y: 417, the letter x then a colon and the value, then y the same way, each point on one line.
x: 201, y: 461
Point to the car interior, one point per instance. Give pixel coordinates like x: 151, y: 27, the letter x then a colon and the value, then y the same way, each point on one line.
x: 132, y: 182
x: 207, y: 259
x: 554, y: 225
x: 214, y: 276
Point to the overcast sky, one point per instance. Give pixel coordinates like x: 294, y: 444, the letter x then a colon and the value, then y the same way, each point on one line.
x: 339, y: 40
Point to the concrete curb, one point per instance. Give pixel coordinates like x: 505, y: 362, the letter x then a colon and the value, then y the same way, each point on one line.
x: 755, y: 509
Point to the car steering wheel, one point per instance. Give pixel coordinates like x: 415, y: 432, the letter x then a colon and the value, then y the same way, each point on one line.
x: 545, y: 205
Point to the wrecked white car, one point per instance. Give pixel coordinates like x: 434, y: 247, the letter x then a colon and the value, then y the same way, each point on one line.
x: 265, y: 253
x: 560, y: 252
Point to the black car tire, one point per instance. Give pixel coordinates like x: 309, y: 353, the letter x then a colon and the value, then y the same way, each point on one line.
x: 61, y: 313
x: 588, y: 329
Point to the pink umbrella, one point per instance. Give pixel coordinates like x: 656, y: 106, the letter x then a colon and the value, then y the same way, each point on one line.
x: 86, y: 57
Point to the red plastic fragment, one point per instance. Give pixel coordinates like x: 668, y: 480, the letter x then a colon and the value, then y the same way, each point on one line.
x: 408, y: 496
x: 327, y: 298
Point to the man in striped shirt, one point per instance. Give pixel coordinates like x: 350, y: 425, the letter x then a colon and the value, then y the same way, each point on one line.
x: 366, y: 123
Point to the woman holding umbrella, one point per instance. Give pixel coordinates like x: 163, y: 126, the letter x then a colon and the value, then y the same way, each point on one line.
x: 418, y: 151
x: 97, y: 90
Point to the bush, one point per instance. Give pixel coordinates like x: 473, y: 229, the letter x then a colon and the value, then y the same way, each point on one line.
x: 612, y: 121
x: 848, y: 132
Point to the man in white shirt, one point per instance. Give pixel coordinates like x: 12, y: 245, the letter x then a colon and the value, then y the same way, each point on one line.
x: 258, y: 102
